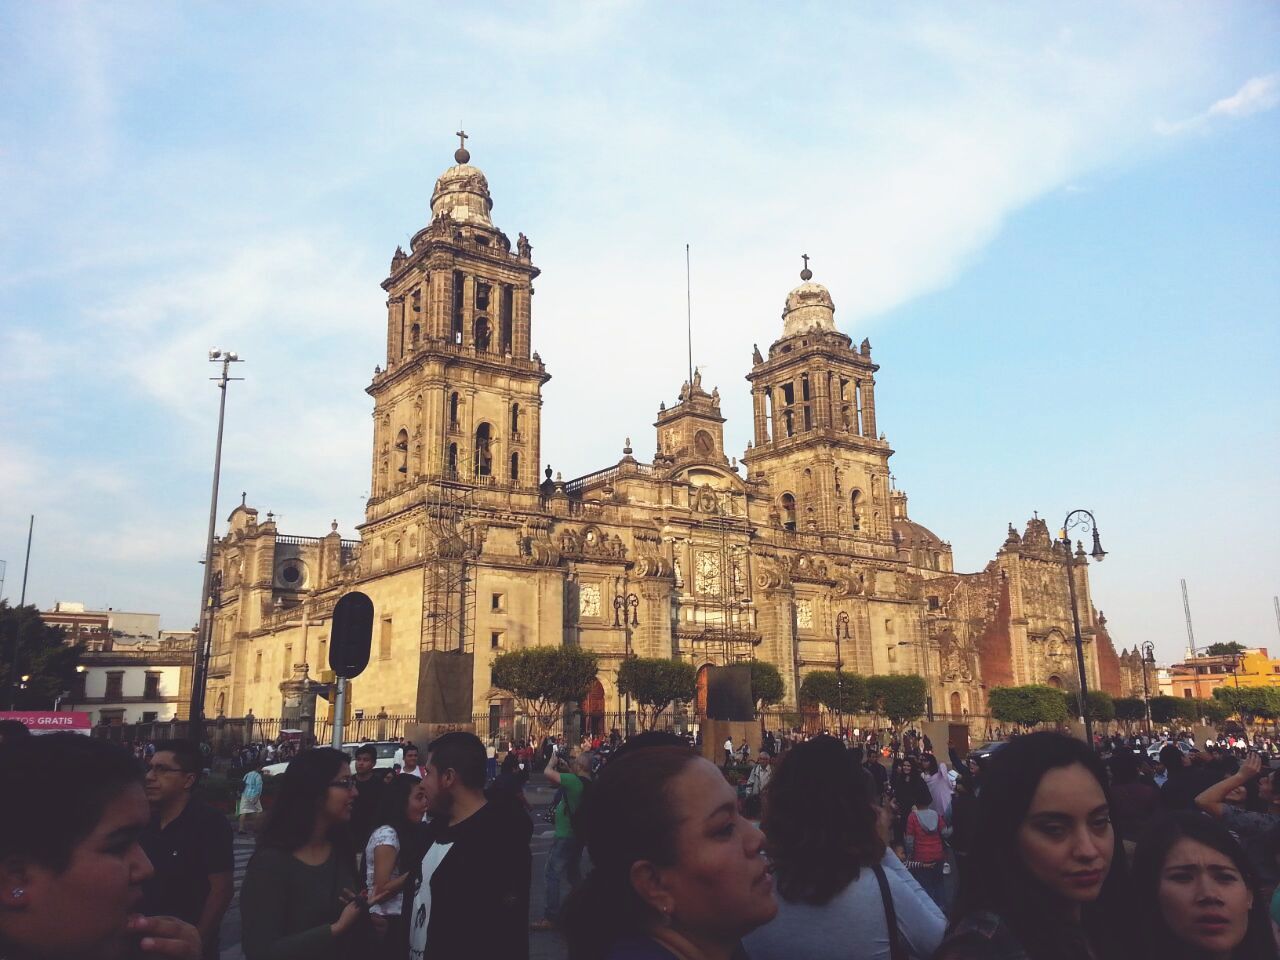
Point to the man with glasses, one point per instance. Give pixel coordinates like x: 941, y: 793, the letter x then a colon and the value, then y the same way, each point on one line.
x: 188, y: 843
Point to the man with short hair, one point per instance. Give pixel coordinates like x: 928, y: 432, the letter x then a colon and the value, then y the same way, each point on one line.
x: 411, y: 761
x: 471, y: 892
x: 364, y: 809
x: 188, y: 843
x: 728, y: 750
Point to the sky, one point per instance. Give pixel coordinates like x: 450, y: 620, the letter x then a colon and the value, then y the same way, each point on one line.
x: 1057, y: 224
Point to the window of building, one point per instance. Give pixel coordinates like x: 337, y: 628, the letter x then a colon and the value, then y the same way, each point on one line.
x: 888, y: 627
x: 515, y: 468
x: 115, y: 685
x: 484, y: 335
x: 453, y: 409
x: 788, y: 504
x: 497, y: 602
x: 505, y: 322
x: 322, y: 655
x: 287, y: 666
x: 151, y: 686
x: 451, y: 468
x: 1186, y: 694
x: 111, y: 718
x: 515, y: 419
x: 484, y: 455
x: 384, y: 639
x: 495, y: 639
x: 935, y: 603
x: 150, y: 716
x: 257, y: 666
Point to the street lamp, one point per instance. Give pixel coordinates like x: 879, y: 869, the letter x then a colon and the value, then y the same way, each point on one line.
x: 842, y: 632
x: 1148, y: 656
x: 200, y: 671
x: 1081, y: 518
x: 625, y: 615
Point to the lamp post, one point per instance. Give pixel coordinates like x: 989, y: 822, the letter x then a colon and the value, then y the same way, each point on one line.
x: 204, y: 643
x: 842, y: 632
x: 1148, y: 656
x: 625, y: 615
x: 1081, y: 518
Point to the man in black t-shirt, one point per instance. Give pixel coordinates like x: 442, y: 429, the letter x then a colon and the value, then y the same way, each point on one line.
x: 364, y: 810
x: 188, y: 843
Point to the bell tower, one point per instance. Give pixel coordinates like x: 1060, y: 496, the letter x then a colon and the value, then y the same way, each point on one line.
x: 816, y: 441
x: 460, y: 396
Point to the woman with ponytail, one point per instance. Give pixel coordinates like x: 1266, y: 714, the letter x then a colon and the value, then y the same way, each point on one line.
x: 677, y: 874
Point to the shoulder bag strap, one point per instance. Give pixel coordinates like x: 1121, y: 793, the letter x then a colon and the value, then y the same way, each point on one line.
x: 896, y: 949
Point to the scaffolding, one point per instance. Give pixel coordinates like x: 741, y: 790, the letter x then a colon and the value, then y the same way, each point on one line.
x: 448, y: 588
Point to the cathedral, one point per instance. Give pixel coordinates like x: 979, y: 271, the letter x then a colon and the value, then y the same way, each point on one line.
x: 800, y: 552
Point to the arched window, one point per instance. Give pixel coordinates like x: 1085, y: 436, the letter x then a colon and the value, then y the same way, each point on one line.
x: 483, y: 334
x: 515, y: 419
x: 788, y: 512
x: 402, y: 445
x: 956, y: 708
x: 451, y: 468
x: 515, y: 467
x: 855, y: 508
x: 453, y: 409
x: 414, y: 332
x: 483, y: 464
x: 506, y: 326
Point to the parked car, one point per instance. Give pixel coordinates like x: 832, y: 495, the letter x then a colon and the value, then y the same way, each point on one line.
x: 987, y: 750
x: 386, y: 757
x: 1153, y: 751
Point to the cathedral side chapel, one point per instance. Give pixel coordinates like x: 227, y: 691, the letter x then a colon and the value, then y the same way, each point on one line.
x: 801, y: 552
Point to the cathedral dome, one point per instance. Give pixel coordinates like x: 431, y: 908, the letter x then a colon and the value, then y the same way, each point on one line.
x: 462, y: 192
x: 809, y: 307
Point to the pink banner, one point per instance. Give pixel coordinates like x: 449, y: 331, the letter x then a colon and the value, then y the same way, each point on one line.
x: 41, y: 722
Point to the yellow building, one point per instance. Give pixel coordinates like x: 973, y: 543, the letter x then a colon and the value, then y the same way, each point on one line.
x: 1198, y: 676
x: 467, y: 550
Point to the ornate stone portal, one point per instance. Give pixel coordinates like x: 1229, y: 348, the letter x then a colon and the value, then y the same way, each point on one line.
x: 465, y: 547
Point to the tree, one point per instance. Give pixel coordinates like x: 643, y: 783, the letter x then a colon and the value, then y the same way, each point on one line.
x: 844, y: 693
x: 1027, y: 706
x: 544, y: 679
x: 767, y: 687
x: 1101, y: 706
x: 43, y: 655
x: 1130, y: 709
x: 654, y: 682
x: 1224, y: 649
x: 1211, y: 711
x: 900, y: 696
x: 1250, y: 703
x: 1186, y: 710
x: 1164, y: 709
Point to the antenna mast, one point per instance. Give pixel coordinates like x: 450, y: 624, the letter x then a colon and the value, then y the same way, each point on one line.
x: 1275, y: 602
x: 1186, y: 609
x: 688, y: 306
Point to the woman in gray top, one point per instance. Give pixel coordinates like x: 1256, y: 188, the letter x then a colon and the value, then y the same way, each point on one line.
x: 837, y: 882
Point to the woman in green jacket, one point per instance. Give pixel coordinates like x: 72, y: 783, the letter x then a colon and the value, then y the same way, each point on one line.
x: 297, y: 900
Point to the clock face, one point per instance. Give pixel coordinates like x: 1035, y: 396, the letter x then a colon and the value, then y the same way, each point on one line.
x: 708, y: 580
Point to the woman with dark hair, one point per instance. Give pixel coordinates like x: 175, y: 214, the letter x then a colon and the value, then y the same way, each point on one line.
x: 938, y: 779
x: 1043, y: 880
x: 297, y: 899
x: 71, y: 867
x: 393, y: 851
x: 838, y: 884
x: 1194, y: 890
x: 905, y: 785
x: 677, y: 872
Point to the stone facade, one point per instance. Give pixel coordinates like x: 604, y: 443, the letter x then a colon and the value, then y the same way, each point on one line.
x: 802, y: 554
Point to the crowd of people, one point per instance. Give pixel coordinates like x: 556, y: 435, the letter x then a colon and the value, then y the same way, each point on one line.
x: 1048, y: 849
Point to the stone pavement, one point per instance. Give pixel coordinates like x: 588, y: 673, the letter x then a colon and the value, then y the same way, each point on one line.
x: 542, y: 946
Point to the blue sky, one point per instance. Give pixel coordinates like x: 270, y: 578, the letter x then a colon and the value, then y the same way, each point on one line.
x: 1057, y: 224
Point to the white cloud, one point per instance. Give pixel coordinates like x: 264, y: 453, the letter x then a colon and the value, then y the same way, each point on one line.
x: 1256, y: 95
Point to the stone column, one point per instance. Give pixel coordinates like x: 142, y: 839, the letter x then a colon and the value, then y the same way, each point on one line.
x: 758, y: 410
x: 819, y: 399
x: 521, y: 320
x: 779, y: 432
x: 438, y: 306
x: 395, y: 328
x: 468, y: 309
x: 869, y: 410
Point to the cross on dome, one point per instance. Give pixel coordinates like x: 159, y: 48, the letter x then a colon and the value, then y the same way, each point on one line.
x: 461, y: 155
x: 806, y: 273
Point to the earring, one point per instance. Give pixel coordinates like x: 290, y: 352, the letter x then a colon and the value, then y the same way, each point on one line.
x: 17, y: 893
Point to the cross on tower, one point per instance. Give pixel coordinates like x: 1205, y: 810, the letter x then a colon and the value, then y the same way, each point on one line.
x: 805, y: 258
x: 462, y: 139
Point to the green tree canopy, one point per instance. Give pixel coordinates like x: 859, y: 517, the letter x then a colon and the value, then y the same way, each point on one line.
x: 1211, y: 711
x: 1250, y: 703
x: 767, y: 687
x: 1130, y: 708
x: 1029, y: 705
x: 1224, y: 649
x: 654, y: 682
x: 900, y: 696
x: 1164, y: 709
x: 544, y: 679
x: 1101, y: 705
x: 846, y: 693
x: 43, y: 655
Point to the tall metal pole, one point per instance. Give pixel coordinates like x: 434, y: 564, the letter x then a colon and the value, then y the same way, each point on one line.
x: 1073, y: 519
x: 339, y: 709
x: 17, y: 621
x: 200, y: 669
x: 842, y: 627
x: 1186, y: 610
